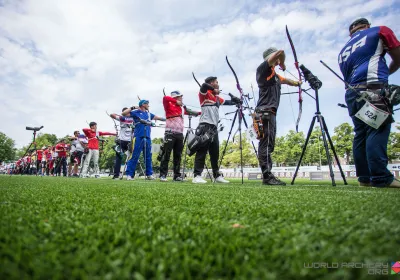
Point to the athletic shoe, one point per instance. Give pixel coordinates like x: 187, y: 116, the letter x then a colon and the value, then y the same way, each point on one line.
x: 395, y: 184
x: 115, y: 178
x: 129, y: 178
x: 178, y: 179
x: 220, y: 179
x: 150, y: 177
x: 97, y: 176
x: 271, y: 180
x: 75, y: 175
x: 198, y: 180
x: 361, y: 184
x: 163, y: 179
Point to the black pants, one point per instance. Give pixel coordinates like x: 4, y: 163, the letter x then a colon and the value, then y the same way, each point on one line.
x: 212, y: 148
x: 118, y: 158
x: 267, y: 144
x: 172, y: 142
x: 61, y: 162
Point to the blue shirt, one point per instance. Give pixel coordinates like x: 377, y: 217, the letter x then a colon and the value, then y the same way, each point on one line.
x: 137, y: 115
x: 362, y: 59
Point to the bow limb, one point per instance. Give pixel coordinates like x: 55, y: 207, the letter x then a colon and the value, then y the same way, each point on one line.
x: 194, y: 77
x: 115, y: 124
x: 296, y: 64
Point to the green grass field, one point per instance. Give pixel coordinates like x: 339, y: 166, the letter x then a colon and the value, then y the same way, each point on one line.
x: 64, y: 228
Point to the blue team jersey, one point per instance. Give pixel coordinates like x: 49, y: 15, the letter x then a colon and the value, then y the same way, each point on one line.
x: 362, y: 59
x: 137, y: 115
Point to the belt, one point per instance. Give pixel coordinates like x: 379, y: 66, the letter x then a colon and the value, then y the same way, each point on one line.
x: 174, y: 117
x: 371, y: 86
x: 173, y: 132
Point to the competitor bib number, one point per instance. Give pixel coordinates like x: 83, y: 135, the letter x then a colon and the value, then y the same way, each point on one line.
x: 372, y: 116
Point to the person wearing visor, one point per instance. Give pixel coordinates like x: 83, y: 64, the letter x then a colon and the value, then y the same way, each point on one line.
x: 269, y: 84
x: 142, y: 118
x: 173, y: 138
x: 363, y: 65
x: 92, y: 135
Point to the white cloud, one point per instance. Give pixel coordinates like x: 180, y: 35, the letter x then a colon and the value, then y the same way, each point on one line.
x: 63, y: 63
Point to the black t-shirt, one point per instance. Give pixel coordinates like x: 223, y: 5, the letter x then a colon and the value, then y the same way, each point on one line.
x: 269, y: 86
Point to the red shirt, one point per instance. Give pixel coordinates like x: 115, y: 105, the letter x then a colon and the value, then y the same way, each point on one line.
x: 93, y: 142
x: 171, y: 108
x: 47, y: 154
x: 209, y: 98
x: 61, y: 149
x: 39, y: 154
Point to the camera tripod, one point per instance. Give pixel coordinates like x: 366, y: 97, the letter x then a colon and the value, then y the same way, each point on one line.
x: 238, y: 112
x: 35, y: 129
x: 315, y: 85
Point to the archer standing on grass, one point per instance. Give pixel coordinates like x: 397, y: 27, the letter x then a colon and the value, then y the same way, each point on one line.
x: 61, y: 162
x: 93, y: 144
x: 173, y: 138
x: 210, y: 102
x: 269, y: 84
x: 77, y: 149
x: 363, y: 65
x: 124, y: 139
x: 142, y: 118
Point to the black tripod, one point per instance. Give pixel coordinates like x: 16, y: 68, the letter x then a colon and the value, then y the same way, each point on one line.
x: 315, y: 85
x: 238, y: 112
x: 35, y: 129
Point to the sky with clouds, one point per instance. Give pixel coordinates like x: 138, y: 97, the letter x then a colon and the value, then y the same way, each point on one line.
x: 63, y: 63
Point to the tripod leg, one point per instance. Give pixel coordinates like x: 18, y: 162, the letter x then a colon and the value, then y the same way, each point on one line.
x: 328, y: 156
x: 333, y: 150
x: 240, y: 143
x: 227, y: 141
x: 184, y: 157
x: 304, y: 148
x: 252, y: 143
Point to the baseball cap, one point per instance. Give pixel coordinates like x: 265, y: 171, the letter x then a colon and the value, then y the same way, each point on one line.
x: 176, y: 93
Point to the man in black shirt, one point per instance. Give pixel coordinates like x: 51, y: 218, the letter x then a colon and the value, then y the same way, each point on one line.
x: 269, y: 84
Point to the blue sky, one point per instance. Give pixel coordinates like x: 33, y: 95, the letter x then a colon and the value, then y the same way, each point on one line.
x: 63, y: 63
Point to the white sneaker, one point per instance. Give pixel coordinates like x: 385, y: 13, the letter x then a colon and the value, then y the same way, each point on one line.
x: 163, y: 179
x: 130, y: 178
x: 198, y: 180
x: 150, y: 177
x: 220, y: 179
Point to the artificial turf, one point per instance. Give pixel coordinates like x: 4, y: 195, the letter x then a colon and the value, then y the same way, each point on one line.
x: 67, y: 228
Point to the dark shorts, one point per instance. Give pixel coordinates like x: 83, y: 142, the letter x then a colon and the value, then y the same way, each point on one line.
x: 76, y: 157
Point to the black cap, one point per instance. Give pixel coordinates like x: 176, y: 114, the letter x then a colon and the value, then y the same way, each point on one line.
x: 357, y: 22
x: 210, y: 79
x: 123, y: 109
x: 92, y: 124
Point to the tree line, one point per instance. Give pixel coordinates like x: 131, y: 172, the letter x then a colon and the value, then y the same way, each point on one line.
x: 287, y: 151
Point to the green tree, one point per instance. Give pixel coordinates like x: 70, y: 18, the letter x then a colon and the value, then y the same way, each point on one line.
x: 107, y: 154
x: 394, y: 145
x: 7, y: 150
x: 232, y: 154
x: 343, y: 141
x: 293, y: 146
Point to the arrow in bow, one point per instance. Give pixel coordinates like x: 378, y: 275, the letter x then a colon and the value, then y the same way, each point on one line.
x: 296, y: 64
